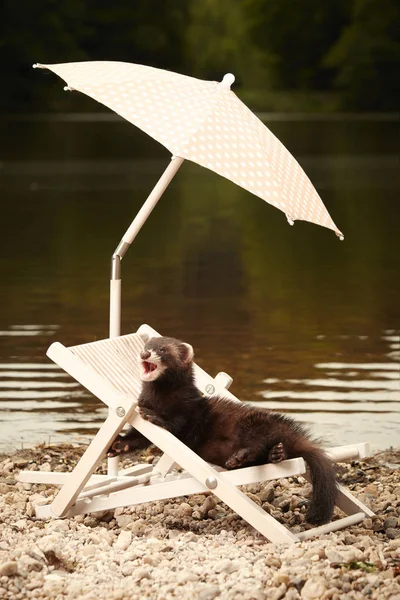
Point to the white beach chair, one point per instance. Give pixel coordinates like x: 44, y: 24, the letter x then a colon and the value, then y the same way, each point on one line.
x: 108, y: 369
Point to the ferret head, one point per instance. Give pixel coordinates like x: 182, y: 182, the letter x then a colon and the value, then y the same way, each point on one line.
x: 161, y: 354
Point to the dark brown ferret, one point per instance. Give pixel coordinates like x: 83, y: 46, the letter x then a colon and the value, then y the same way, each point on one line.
x: 221, y: 431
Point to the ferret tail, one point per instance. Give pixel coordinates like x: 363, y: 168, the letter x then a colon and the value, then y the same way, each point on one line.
x: 324, y: 483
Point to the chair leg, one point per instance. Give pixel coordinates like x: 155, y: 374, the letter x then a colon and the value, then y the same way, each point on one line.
x: 346, y: 501
x: 165, y: 465
x: 350, y: 505
x: 87, y: 464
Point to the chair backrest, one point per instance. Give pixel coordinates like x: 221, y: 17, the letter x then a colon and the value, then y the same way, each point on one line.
x: 114, y: 359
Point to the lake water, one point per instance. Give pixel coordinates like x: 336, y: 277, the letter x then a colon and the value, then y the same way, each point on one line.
x: 304, y: 323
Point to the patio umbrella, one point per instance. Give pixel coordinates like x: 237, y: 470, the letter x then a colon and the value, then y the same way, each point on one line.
x: 202, y: 121
x: 205, y: 122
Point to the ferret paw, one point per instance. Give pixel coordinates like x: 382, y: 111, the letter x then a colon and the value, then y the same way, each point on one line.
x: 152, y: 417
x: 241, y: 458
x: 277, y: 453
x: 119, y: 446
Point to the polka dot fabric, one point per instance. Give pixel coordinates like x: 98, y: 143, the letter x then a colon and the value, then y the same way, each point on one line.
x: 205, y: 122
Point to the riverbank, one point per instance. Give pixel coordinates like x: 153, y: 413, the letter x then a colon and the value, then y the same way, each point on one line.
x: 196, y: 547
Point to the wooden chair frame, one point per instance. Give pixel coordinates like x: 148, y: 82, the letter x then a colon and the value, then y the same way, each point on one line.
x: 82, y: 491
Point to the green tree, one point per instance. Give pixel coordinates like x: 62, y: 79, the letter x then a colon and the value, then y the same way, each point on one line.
x: 46, y: 31
x: 51, y: 31
x: 295, y: 35
x: 141, y: 31
x: 217, y: 41
x: 367, y: 56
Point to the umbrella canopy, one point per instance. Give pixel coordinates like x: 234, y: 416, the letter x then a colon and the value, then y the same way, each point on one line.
x: 205, y: 122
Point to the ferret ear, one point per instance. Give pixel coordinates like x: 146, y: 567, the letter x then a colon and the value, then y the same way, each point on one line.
x: 187, y: 352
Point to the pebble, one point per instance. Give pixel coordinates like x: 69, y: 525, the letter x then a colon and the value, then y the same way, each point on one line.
x: 209, y: 592
x: 128, y: 568
x: 314, y: 589
x: 124, y: 540
x: 343, y: 554
x: 8, y: 568
x: 141, y: 573
x: 45, y: 467
x: 209, y: 503
x: 279, y: 593
x: 225, y: 566
x: 124, y: 520
x: 58, y: 525
x: 267, y: 494
x: 185, y: 509
x: 89, y: 550
x: 195, y: 547
x: 392, y: 533
x: 186, y: 576
x: 390, y: 523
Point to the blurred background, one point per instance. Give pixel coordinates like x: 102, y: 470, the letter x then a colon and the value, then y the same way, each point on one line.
x: 304, y: 323
x: 286, y: 54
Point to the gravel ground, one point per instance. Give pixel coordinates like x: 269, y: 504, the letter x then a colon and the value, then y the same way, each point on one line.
x: 196, y: 547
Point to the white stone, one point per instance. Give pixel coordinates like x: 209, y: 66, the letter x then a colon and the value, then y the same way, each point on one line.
x: 124, y: 520
x: 209, y: 592
x: 278, y: 593
x: 89, y: 550
x: 343, y: 554
x: 225, y: 566
x: 58, y: 525
x: 46, y: 467
x: 128, y: 568
x: 292, y: 553
x: 314, y: 588
x: 186, y: 576
x: 124, y: 540
x: 53, y: 577
x: 141, y: 573
x: 30, y: 563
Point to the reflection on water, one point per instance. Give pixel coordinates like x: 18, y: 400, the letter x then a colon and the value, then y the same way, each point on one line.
x: 350, y: 392
x: 303, y: 323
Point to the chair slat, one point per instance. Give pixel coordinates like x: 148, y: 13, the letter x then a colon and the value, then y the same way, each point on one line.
x: 114, y: 359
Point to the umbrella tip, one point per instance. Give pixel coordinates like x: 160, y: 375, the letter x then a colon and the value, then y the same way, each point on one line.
x: 227, y: 81
x: 289, y: 220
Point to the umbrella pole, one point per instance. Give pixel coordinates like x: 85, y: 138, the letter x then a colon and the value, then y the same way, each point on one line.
x: 120, y: 251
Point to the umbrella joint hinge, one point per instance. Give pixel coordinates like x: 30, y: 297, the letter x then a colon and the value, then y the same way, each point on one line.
x: 115, y: 267
x: 116, y: 259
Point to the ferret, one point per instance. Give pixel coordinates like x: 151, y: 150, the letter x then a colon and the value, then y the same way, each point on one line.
x: 221, y: 431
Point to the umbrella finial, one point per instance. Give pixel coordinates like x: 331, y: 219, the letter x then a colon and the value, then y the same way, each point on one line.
x: 227, y: 81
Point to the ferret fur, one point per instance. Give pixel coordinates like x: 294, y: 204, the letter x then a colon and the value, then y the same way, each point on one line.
x: 221, y: 431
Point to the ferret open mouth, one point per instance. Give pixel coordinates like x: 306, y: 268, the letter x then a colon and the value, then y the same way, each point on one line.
x: 148, y: 367
x: 149, y: 371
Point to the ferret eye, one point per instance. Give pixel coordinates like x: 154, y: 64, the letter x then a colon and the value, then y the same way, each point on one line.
x: 162, y: 349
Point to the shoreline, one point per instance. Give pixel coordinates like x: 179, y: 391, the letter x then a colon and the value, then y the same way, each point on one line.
x: 196, y: 547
